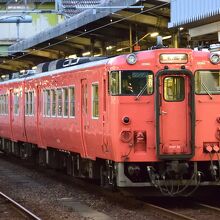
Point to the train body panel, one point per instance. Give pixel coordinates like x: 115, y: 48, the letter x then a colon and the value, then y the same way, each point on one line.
x: 154, y: 118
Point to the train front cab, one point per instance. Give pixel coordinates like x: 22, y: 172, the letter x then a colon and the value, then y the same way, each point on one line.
x: 186, y: 119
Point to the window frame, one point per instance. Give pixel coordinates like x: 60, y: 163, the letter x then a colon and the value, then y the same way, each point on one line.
x: 63, y: 101
x: 69, y: 90
x: 195, y: 81
x: 59, y: 89
x: 120, y: 73
x: 180, y: 100
x: 51, y: 101
x: 92, y: 100
x: 16, y: 105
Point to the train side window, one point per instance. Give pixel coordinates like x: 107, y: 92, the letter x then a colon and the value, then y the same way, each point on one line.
x: 16, y: 103
x: 174, y: 89
x: 0, y: 104
x: 31, y: 103
x: 66, y: 102
x: 6, y: 104
x: 47, y: 102
x: 53, y: 102
x: 72, y: 101
x: 95, y: 100
x: 59, y: 103
x: 3, y: 105
x: 26, y: 103
x: 44, y: 101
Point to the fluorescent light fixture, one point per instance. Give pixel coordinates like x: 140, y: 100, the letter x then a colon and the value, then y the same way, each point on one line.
x: 86, y: 54
x: 73, y: 56
x: 154, y: 34
x: 166, y: 37
x: 119, y: 50
x: 97, y: 55
x: 109, y: 47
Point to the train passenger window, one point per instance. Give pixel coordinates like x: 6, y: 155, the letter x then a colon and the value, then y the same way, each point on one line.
x: 1, y: 104
x: 95, y: 100
x: 31, y: 103
x: 26, y: 103
x: 207, y: 82
x: 16, y: 103
x: 66, y: 102
x: 72, y: 101
x: 6, y: 104
x: 53, y: 102
x: 46, y: 94
x: 174, y: 89
x: 131, y: 82
x: 59, y: 103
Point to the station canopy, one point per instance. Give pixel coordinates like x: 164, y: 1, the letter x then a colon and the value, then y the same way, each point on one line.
x: 93, y: 28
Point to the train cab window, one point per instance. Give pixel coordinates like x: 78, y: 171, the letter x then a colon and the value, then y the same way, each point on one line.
x: 131, y: 82
x: 174, y: 89
x: 72, y: 101
x: 16, y: 103
x: 59, y: 103
x: 207, y: 82
x: 66, y: 102
x: 53, y: 102
x: 95, y: 100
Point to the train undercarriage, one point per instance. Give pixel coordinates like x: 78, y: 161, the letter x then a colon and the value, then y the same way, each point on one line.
x: 172, y: 178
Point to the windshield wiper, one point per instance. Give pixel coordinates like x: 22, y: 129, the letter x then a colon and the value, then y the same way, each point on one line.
x: 207, y: 90
x: 140, y: 93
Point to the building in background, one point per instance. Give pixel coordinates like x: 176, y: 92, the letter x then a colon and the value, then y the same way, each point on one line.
x: 200, y: 17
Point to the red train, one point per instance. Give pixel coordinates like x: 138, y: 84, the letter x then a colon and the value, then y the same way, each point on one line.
x: 149, y: 118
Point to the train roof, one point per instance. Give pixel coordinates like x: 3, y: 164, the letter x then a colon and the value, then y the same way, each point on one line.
x: 74, y: 65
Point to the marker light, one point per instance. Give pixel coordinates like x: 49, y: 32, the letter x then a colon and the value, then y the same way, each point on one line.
x: 214, y: 58
x: 131, y: 59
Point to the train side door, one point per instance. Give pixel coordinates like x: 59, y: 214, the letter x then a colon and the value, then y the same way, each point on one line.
x: 175, y: 115
x: 84, y: 114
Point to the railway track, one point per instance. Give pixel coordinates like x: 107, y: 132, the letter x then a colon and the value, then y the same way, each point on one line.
x: 13, y: 210
x: 151, y: 208
x: 193, y: 211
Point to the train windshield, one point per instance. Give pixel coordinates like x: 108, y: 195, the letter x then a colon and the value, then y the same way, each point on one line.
x: 130, y: 82
x: 207, y: 82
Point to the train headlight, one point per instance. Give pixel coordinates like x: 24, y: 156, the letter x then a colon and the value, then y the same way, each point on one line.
x: 214, y: 58
x: 126, y: 136
x: 126, y: 120
x: 131, y: 59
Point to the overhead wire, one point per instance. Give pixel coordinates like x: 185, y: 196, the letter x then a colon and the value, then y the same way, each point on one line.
x: 84, y: 33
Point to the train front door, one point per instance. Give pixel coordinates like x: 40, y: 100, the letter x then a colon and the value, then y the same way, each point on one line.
x: 175, y: 114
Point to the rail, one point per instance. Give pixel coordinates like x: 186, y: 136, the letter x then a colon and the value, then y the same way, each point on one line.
x: 166, y: 212
x: 22, y: 209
